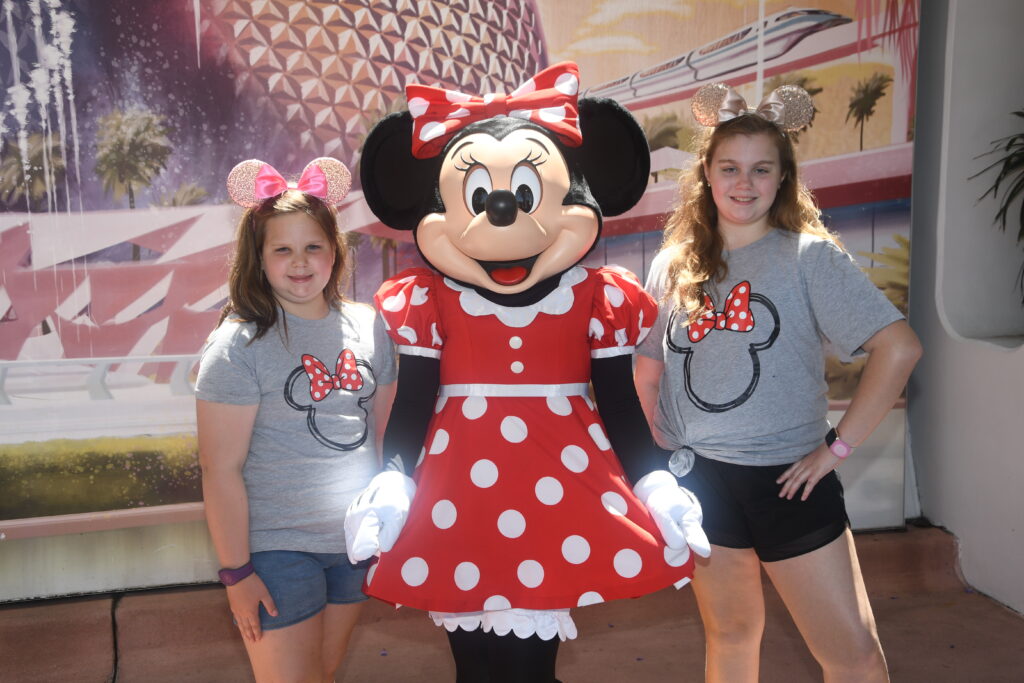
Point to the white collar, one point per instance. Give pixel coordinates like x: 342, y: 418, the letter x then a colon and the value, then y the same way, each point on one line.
x: 557, y: 302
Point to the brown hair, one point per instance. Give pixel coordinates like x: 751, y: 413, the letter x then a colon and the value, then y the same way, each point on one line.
x: 691, y: 233
x: 250, y: 297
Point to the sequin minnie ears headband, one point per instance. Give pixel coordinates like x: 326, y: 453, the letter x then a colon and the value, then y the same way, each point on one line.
x: 789, y: 107
x: 252, y: 181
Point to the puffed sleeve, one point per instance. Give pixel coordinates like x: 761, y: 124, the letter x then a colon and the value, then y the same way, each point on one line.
x: 622, y: 315
x: 408, y: 307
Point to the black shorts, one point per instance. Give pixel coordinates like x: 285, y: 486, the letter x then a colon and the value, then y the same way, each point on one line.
x: 742, y: 509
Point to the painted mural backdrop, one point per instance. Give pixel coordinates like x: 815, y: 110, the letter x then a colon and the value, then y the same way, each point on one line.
x: 121, y: 119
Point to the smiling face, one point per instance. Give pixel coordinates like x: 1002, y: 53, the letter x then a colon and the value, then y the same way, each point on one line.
x: 745, y: 174
x: 504, y: 227
x: 297, y: 260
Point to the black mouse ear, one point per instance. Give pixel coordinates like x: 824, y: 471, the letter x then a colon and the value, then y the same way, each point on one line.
x: 614, y: 156
x: 397, y: 186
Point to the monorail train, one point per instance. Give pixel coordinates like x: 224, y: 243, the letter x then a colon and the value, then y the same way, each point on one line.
x: 736, y: 51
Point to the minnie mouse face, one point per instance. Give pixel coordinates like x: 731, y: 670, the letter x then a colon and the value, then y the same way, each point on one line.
x: 505, y: 225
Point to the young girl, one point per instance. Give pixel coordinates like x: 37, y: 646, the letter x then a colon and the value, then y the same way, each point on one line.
x: 291, y: 387
x: 751, y: 284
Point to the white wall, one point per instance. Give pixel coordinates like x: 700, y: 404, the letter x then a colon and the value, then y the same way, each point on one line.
x: 966, y: 397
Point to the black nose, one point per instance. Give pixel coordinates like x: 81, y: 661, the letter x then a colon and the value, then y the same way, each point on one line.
x: 501, y: 208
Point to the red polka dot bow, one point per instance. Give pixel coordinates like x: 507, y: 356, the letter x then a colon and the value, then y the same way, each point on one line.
x: 548, y: 99
x: 322, y: 382
x: 735, y: 315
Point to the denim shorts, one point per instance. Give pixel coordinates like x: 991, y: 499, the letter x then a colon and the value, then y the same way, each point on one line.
x: 302, y: 584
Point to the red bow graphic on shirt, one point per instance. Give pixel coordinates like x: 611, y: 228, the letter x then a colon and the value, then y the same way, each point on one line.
x: 322, y: 382
x: 735, y: 315
x: 548, y: 99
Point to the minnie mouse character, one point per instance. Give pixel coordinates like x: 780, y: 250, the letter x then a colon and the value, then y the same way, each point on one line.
x: 520, y: 507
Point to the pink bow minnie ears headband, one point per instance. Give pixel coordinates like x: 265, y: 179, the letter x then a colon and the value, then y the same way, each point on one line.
x: 789, y: 107
x: 547, y: 99
x: 252, y: 181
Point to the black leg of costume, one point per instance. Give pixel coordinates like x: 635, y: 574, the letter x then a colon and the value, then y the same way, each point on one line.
x: 487, y: 658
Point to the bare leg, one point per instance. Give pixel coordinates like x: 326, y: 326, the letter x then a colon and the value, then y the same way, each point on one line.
x: 339, y: 620
x: 728, y: 590
x: 824, y: 592
x: 289, y: 655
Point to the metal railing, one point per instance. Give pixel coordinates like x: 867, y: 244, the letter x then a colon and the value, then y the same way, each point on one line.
x: 96, y: 380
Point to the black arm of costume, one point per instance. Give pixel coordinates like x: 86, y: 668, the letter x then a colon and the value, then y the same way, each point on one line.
x: 623, y: 417
x: 418, y: 380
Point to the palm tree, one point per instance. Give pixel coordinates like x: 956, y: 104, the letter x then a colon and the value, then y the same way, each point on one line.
x: 802, y: 82
x: 188, y: 194
x: 12, y: 173
x: 131, y: 150
x: 388, y: 254
x: 865, y: 96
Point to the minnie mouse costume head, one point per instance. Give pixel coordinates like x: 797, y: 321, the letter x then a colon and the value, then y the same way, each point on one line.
x: 510, y: 191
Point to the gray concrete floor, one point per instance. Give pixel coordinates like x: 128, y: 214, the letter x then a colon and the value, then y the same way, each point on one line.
x: 933, y: 629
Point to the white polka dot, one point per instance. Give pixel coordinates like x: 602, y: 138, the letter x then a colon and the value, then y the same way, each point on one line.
x: 548, y: 490
x: 467, y: 576
x: 742, y: 290
x: 677, y: 558
x: 435, y: 338
x: 307, y: 361
x: 440, y: 442
x: 474, y: 406
x: 515, y: 342
x: 423, y: 452
x: 551, y: 114
x: 530, y: 573
x: 443, y: 514
x: 483, y: 473
x: 627, y: 563
x: 575, y: 550
x: 489, y: 97
x: 559, y: 405
x: 513, y: 429
x: 455, y: 96
x: 496, y: 603
x: 734, y: 326
x: 316, y: 394
x: 743, y: 315
x: 394, y: 303
x: 620, y: 337
x: 575, y: 458
x: 527, y: 86
x: 418, y: 106
x: 511, y: 523
x: 414, y: 571
x: 419, y: 295
x: 749, y: 328
x: 516, y: 367
x: 567, y: 84
x: 589, y: 598
x: 407, y: 333
x: 615, y: 295
x: 695, y: 335
x: 613, y: 503
x: 596, y: 328
x: 441, y: 400
x: 737, y: 303
x: 459, y: 113
x: 431, y: 130
x: 370, y: 573
x: 597, y: 434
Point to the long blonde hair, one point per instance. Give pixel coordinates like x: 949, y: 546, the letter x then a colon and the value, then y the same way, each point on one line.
x: 691, y: 234
x: 250, y: 297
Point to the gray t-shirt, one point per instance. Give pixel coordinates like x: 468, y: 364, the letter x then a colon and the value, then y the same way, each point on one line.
x: 312, y: 448
x: 747, y: 384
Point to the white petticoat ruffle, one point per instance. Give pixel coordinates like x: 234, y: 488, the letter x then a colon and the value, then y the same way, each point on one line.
x: 546, y: 624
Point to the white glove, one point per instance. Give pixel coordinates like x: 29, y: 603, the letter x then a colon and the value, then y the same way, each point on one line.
x: 675, y: 510
x: 376, y: 517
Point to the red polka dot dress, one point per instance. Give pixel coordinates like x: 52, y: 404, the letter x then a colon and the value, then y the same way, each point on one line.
x: 520, y: 501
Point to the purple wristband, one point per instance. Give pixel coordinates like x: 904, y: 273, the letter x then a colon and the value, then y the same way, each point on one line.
x: 229, y: 577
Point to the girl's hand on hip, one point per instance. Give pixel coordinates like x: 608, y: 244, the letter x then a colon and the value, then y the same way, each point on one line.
x: 807, y: 472
x: 244, y: 598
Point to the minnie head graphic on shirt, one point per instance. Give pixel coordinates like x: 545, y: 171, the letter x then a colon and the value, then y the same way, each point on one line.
x: 313, y: 382
x: 734, y: 317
